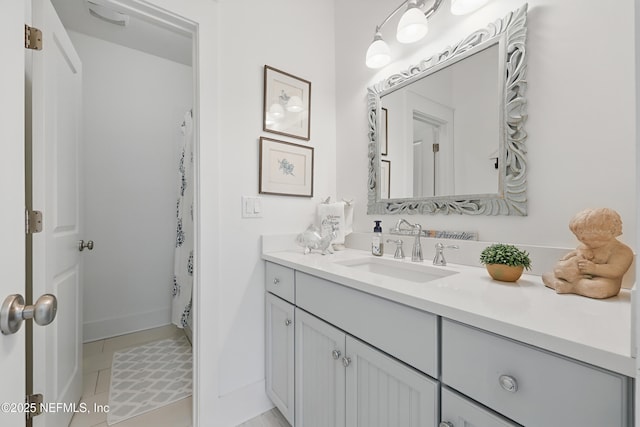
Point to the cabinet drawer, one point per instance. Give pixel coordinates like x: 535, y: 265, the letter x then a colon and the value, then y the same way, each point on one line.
x: 281, y: 281
x: 459, y: 411
x: 405, y: 333
x: 531, y: 386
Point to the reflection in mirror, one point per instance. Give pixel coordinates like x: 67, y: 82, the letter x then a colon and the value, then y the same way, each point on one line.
x: 454, y: 129
x: 443, y: 130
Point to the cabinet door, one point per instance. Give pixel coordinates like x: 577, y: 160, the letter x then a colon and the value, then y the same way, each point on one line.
x: 280, y: 356
x: 458, y: 411
x: 319, y: 373
x: 383, y: 392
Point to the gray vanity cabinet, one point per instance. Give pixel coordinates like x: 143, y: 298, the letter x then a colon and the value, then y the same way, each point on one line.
x: 340, y: 379
x: 280, y: 354
x: 341, y: 357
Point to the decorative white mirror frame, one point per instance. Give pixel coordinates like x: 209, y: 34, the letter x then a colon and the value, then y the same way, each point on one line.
x: 511, y: 199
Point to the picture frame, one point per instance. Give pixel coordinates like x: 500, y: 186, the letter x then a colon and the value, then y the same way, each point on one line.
x: 384, y: 131
x: 286, y: 169
x: 287, y: 104
x: 385, y: 179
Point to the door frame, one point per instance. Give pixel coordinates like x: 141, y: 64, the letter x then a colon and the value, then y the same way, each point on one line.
x: 171, y: 20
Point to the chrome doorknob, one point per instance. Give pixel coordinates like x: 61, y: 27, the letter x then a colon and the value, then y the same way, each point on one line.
x: 82, y: 245
x: 13, y: 312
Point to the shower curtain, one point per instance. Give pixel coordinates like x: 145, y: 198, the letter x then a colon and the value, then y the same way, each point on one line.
x: 183, y: 259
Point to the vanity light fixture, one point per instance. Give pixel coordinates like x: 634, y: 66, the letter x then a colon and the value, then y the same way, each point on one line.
x: 412, y: 26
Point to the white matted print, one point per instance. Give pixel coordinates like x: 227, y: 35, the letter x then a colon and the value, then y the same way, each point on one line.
x: 287, y: 104
x: 285, y: 168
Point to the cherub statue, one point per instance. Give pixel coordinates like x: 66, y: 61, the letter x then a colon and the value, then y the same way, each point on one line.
x: 596, y: 267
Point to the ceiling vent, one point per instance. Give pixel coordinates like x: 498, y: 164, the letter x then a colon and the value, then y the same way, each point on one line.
x: 104, y: 12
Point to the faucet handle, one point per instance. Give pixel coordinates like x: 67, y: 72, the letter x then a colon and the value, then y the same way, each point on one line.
x: 399, y: 254
x: 439, y: 258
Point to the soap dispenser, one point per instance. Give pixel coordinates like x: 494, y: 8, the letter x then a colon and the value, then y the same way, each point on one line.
x: 377, y: 243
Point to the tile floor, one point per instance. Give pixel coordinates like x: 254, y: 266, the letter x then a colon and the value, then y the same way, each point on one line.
x: 272, y: 418
x: 97, y: 376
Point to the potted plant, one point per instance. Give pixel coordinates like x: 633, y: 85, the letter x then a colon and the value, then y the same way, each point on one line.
x: 505, y: 262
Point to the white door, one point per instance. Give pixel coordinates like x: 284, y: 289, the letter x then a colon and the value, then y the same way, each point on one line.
x: 12, y: 261
x: 56, y: 96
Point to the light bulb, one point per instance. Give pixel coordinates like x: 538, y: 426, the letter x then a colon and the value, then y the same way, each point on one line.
x: 462, y: 7
x: 412, y: 26
x: 378, y: 54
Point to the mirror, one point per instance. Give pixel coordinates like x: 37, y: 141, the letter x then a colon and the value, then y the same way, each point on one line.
x: 453, y: 129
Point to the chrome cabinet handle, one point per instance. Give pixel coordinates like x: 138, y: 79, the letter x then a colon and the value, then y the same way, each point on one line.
x: 82, y: 245
x: 276, y: 281
x: 346, y: 361
x: 13, y: 312
x: 287, y: 322
x: 445, y: 424
x: 336, y: 354
x: 508, y: 383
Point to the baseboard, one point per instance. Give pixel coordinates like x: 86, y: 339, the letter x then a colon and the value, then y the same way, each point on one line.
x: 107, y: 328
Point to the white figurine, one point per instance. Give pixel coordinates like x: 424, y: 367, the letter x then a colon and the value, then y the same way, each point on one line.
x: 312, y: 239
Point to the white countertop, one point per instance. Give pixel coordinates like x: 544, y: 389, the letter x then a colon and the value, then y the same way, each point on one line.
x: 594, y: 331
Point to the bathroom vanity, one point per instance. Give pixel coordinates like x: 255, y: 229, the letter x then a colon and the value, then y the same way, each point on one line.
x: 348, y: 343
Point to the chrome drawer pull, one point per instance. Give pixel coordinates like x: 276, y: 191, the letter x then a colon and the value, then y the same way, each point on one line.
x: 276, y: 281
x: 336, y: 354
x: 287, y: 322
x: 445, y: 424
x: 346, y: 361
x: 508, y: 383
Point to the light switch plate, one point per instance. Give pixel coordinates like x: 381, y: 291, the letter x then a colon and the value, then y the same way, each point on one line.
x: 251, y: 207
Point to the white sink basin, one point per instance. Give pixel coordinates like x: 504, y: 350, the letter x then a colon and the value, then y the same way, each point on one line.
x: 405, y: 270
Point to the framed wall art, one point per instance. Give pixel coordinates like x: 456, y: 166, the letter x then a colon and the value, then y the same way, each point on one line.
x: 287, y: 104
x: 286, y: 169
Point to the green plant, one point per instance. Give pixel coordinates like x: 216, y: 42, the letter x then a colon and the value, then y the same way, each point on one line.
x: 500, y: 253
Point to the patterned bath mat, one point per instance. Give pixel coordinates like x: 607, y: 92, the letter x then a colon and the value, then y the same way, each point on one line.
x: 148, y: 377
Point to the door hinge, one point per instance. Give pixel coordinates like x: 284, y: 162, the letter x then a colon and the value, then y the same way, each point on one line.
x: 33, y: 222
x: 34, y: 405
x: 32, y: 38
x: 436, y: 148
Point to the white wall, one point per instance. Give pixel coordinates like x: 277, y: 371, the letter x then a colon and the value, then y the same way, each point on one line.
x: 296, y: 36
x: 581, y: 146
x: 133, y: 105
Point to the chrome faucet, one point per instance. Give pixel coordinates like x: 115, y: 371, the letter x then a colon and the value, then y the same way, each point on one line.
x: 416, y: 253
x: 439, y: 258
